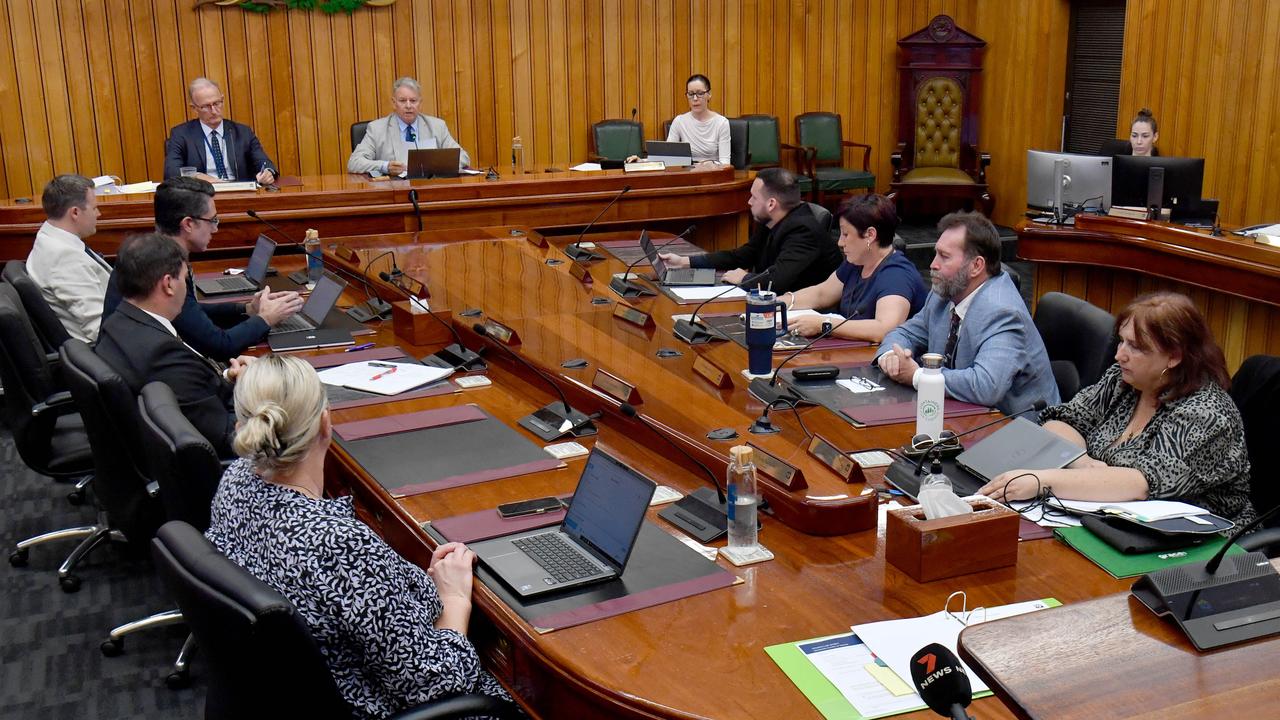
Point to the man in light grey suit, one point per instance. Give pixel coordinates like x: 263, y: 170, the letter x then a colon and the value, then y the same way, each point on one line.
x: 388, y: 140
x: 72, y: 277
x: 976, y: 318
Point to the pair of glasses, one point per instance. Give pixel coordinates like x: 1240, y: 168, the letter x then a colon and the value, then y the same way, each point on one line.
x: 212, y: 221
x: 697, y: 94
x: 946, y: 440
x: 870, y: 386
x: 209, y: 107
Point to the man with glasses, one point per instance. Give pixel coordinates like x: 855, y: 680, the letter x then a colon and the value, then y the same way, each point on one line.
x: 387, y: 141
x: 185, y: 212
x: 220, y: 150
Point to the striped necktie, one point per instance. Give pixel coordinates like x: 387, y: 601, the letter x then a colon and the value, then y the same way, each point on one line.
x: 216, y: 148
x: 953, y: 339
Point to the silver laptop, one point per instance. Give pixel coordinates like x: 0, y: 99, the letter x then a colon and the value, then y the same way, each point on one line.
x: 674, y: 276
x: 1021, y: 444
x: 434, y: 163
x: 671, y: 154
x: 322, y: 299
x: 249, y: 281
x: 591, y: 546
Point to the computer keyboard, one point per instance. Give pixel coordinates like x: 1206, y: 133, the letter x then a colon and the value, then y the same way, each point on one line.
x: 690, y: 276
x: 236, y: 282
x: 293, y: 324
x: 556, y: 556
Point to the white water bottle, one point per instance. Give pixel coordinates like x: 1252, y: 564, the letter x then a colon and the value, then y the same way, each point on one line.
x: 743, y: 498
x: 931, y: 393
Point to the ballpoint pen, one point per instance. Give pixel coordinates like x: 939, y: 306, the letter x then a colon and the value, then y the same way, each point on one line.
x: 384, y: 373
x: 354, y: 348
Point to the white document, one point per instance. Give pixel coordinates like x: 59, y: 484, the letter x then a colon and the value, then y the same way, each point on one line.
x: 1261, y: 230
x: 859, y: 385
x: 706, y: 292
x: 843, y: 660
x: 895, y: 641
x: 469, y: 171
x: 1141, y: 510
x: 247, y: 185
x: 586, y: 167
x: 146, y: 186
x: 383, y: 378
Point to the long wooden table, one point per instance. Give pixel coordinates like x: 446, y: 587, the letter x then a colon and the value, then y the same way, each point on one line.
x: 700, y: 657
x: 339, y: 205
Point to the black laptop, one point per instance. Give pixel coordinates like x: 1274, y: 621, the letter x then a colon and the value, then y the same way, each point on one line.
x: 308, y: 329
x: 250, y: 281
x: 591, y: 546
x: 434, y: 163
x: 674, y: 276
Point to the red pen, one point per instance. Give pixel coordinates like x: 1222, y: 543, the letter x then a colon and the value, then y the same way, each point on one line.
x: 384, y: 373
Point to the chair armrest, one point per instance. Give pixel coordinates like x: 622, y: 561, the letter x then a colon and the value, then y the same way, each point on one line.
x: 460, y: 706
x: 58, y: 404
x: 807, y: 157
x: 984, y: 159
x: 1262, y: 540
x: 866, y: 152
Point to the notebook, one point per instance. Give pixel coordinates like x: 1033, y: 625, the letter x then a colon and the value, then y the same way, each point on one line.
x: 252, y: 278
x: 593, y: 543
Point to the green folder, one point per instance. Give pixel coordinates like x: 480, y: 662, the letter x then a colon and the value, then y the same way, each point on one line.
x: 1120, y: 565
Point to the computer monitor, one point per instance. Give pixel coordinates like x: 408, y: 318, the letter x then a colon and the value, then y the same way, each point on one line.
x: 1183, y: 180
x: 1085, y: 180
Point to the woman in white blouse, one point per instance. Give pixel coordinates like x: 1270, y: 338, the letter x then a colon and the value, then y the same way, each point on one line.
x: 706, y: 131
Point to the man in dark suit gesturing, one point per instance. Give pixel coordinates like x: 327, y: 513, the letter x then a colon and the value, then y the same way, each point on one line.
x: 140, y: 342
x: 219, y: 149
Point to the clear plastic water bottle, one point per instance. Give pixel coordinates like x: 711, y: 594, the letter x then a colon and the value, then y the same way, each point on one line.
x: 743, y: 498
x: 938, y: 497
x: 311, y: 248
x: 517, y: 155
x: 931, y: 393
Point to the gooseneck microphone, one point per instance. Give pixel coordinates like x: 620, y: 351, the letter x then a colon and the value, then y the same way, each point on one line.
x: 550, y: 421
x: 457, y: 356
x: 630, y: 411
x: 1211, y: 567
x: 417, y: 211
x: 622, y: 284
x: 932, y: 449
x: 574, y: 250
x: 768, y: 391
x: 942, y: 682
x: 693, y: 331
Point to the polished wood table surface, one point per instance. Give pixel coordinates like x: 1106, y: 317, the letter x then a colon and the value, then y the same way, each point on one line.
x: 1112, y: 657
x: 703, y: 656
x: 1109, y: 261
x: 345, y: 204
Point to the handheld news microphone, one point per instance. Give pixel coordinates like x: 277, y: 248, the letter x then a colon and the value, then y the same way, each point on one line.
x: 932, y: 448
x: 694, y: 332
x: 942, y: 682
x: 457, y: 356
x: 622, y: 284
x: 417, y: 211
x: 768, y: 392
x: 574, y: 250
x: 548, y: 422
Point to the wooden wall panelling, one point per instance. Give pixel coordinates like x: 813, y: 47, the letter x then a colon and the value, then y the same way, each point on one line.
x: 13, y: 161
x: 84, y: 140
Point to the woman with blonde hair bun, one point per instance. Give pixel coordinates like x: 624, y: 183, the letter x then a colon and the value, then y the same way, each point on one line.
x: 392, y: 634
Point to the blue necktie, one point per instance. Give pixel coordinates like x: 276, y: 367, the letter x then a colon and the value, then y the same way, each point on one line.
x: 409, y: 135
x: 218, y: 163
x: 96, y: 257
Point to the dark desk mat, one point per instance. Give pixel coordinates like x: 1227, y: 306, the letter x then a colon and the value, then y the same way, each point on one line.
x: 628, y: 251
x: 335, y: 359
x: 486, y: 524
x: 731, y: 327
x: 277, y: 283
x: 661, y: 569
x: 447, y: 455
x: 888, y: 401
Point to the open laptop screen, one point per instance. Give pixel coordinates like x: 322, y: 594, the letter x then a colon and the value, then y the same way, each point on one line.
x: 651, y: 253
x: 322, y: 298
x: 608, y: 507
x: 260, y: 260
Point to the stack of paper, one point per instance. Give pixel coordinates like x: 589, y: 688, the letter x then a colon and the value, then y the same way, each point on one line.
x: 383, y: 378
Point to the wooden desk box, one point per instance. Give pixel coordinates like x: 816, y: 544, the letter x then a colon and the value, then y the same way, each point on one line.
x: 929, y: 550
x: 417, y: 327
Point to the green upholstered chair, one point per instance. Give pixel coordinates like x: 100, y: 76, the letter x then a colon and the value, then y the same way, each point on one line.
x: 822, y: 132
x: 616, y: 139
x: 765, y: 146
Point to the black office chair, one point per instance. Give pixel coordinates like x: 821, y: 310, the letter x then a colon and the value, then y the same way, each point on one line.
x: 1115, y: 146
x: 739, y: 140
x: 263, y: 660
x: 1080, y: 338
x: 47, y: 325
x: 110, y: 413
x: 357, y: 133
x: 1256, y: 392
x: 187, y: 470
x: 825, y: 219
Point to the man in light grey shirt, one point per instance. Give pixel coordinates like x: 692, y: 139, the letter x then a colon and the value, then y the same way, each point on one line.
x: 387, y: 141
x: 71, y: 276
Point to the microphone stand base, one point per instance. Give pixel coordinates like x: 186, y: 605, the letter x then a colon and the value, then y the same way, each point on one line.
x: 700, y: 514
x: 763, y: 426
x: 370, y: 310
x: 628, y: 289
x: 768, y: 394
x: 457, y: 357
x: 575, y: 251
x: 694, y: 333
x: 553, y: 422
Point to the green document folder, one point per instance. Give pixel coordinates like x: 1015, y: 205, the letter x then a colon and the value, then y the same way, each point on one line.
x: 1120, y: 565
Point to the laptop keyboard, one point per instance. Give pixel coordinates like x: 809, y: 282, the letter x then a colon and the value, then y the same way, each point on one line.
x: 689, y: 275
x: 237, y: 282
x: 556, y: 556
x: 293, y: 324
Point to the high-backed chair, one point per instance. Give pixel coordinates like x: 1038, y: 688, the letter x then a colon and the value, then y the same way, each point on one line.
x: 1256, y: 391
x: 616, y: 139
x: 110, y: 413
x: 738, y: 140
x: 47, y: 429
x: 940, y: 92
x: 765, y: 146
x: 823, y: 132
x: 48, y: 327
x: 263, y: 660
x: 1080, y: 338
x: 357, y: 133
x: 1115, y: 146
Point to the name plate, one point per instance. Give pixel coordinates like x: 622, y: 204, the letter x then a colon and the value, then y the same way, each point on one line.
x: 712, y: 374
x: 535, y: 238
x: 346, y: 254
x: 580, y: 272
x: 842, y: 465
x: 623, y: 311
x: 784, y: 473
x: 615, y: 387
x: 416, y: 288
x: 644, y: 166
x: 501, y: 333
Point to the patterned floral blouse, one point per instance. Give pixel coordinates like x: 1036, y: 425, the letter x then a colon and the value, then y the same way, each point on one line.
x: 1192, y: 449
x: 371, y: 611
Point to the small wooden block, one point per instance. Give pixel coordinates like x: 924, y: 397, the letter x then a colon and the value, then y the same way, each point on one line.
x: 639, y: 318
x: 580, y: 272
x: 929, y: 550
x: 501, y: 333
x: 346, y: 254
x: 780, y: 471
x: 417, y: 327
x: 615, y: 387
x: 712, y: 373
x: 835, y: 459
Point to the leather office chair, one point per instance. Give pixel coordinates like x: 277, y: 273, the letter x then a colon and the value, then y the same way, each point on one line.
x: 1115, y: 146
x: 187, y: 470
x: 765, y: 146
x: 48, y: 327
x: 1256, y: 392
x: 666, y: 129
x: 825, y: 219
x: 738, y: 132
x: 822, y: 131
x: 1080, y: 338
x: 263, y: 660
x: 357, y: 133
x: 616, y: 140
x: 110, y: 413
x: 47, y: 429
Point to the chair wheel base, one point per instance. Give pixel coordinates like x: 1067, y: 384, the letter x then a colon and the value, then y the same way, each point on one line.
x: 76, y: 497
x: 178, y: 680
x: 18, y: 558
x: 69, y: 583
x: 112, y: 647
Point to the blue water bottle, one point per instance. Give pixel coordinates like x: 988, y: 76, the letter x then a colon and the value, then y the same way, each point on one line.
x: 762, y: 329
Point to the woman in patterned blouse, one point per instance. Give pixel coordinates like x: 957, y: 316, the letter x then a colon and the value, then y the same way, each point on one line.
x: 392, y: 635
x: 1159, y: 424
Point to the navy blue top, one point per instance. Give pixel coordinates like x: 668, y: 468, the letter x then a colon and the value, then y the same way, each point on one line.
x: 895, y: 276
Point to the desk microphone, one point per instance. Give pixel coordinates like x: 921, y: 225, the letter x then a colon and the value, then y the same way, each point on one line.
x: 417, y: 211
x: 457, y: 356
x: 768, y: 391
x: 575, y: 250
x: 623, y: 285
x: 374, y: 306
x: 1211, y: 567
x: 694, y: 332
x: 630, y: 411
x: 548, y: 422
x: 942, y: 682
x: 932, y: 448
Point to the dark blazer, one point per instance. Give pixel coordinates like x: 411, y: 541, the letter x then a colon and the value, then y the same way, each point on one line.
x: 798, y: 248
x: 242, y: 151
x: 142, y: 350
x: 220, y: 330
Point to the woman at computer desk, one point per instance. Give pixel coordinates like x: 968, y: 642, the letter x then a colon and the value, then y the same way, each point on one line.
x: 706, y: 130
x: 1158, y: 425
x: 876, y: 285
x: 392, y: 634
x: 1143, y: 134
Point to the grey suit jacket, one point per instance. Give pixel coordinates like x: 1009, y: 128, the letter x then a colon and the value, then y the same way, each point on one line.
x: 1000, y: 361
x: 383, y: 142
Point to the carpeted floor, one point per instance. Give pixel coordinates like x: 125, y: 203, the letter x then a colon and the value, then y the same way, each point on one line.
x: 50, y: 665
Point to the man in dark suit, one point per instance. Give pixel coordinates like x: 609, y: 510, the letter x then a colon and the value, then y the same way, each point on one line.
x: 219, y: 149
x: 140, y: 342
x: 185, y: 212
x: 787, y: 238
